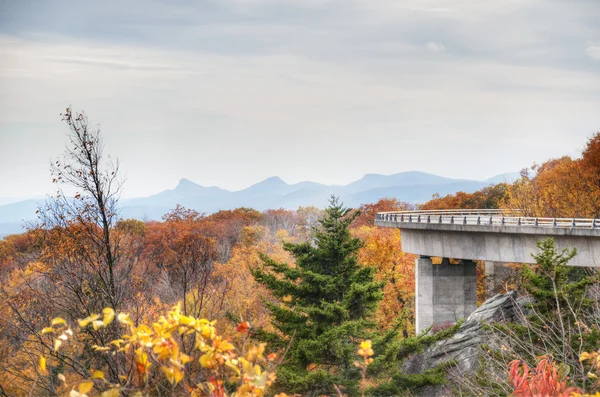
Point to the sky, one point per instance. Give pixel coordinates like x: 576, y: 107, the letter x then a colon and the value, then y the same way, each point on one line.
x: 230, y: 92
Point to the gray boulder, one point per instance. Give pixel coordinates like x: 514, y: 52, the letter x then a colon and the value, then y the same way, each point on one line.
x: 463, y: 347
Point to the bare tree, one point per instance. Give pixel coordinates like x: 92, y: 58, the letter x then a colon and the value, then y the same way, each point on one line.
x: 85, y: 264
x: 90, y: 216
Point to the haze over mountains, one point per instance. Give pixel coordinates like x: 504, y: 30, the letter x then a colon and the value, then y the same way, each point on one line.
x: 413, y: 186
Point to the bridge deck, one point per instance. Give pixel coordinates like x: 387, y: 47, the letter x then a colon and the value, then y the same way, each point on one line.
x: 492, y: 235
x: 494, y: 221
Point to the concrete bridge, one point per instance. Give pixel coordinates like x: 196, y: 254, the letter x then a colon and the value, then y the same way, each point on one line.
x: 448, y: 292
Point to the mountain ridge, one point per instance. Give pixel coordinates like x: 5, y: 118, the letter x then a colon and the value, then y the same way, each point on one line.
x: 273, y: 192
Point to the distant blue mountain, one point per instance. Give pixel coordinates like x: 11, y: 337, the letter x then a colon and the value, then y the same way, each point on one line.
x: 412, y: 186
x: 509, y: 177
x: 410, y: 178
x: 19, y: 211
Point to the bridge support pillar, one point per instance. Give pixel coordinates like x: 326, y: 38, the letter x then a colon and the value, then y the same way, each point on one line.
x: 495, y: 273
x: 445, y: 293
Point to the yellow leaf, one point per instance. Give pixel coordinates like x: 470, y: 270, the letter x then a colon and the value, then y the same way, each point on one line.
x: 111, y: 393
x: 173, y: 374
x: 47, y: 330
x: 57, y: 343
x: 85, y: 387
x: 100, y: 348
x: 365, y: 349
x: 86, y: 321
x: 365, y: 344
x: 233, y: 367
x: 206, y: 361
x: 97, y: 324
x: 584, y: 356
x: 206, y: 331
x: 109, y: 316
x: 98, y: 375
x: 225, y: 346
x: 185, y: 358
x: 124, y: 319
x: 42, y: 363
x: 58, y: 321
x: 185, y: 320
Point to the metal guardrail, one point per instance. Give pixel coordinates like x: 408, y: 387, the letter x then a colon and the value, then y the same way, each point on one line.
x: 501, y: 217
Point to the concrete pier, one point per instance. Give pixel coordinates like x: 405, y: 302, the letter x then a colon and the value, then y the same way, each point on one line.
x: 495, y: 274
x: 445, y: 293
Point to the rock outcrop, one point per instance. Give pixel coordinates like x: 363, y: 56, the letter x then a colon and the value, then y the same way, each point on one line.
x: 463, y: 347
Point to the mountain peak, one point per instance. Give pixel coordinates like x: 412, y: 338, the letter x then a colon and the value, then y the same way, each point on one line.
x: 371, y: 175
x: 271, y: 182
x: 269, y: 185
x: 185, y: 183
x: 508, y: 177
x: 274, y: 180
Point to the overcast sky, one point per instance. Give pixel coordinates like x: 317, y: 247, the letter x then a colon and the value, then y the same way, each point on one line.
x: 229, y: 92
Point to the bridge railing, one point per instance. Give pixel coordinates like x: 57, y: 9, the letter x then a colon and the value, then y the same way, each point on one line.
x: 483, y: 217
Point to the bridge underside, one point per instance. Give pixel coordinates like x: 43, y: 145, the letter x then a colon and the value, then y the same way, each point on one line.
x: 495, y: 247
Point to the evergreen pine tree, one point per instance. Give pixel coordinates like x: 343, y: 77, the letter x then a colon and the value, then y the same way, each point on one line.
x: 561, y: 303
x: 325, y: 306
x: 560, y: 320
x: 552, y: 284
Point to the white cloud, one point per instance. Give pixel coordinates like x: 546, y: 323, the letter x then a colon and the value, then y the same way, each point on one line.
x: 593, y: 50
x: 227, y: 92
x: 436, y: 47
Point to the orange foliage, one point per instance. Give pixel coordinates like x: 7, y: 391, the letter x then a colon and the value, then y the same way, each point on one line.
x: 368, y: 211
x: 544, y: 380
x: 226, y: 227
x: 489, y: 197
x: 591, y: 153
x: 17, y: 250
x: 382, y: 249
x: 244, y: 296
x: 563, y: 187
x: 181, y: 247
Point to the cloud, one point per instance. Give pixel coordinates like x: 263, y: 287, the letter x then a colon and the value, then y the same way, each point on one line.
x: 593, y: 50
x: 435, y: 47
x: 241, y: 89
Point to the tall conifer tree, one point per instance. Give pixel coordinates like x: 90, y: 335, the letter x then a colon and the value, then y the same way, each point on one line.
x: 325, y: 306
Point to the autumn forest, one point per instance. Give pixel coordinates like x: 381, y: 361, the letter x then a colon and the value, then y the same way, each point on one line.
x: 312, y: 301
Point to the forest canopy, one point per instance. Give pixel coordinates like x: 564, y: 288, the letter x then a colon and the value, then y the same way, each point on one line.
x: 311, y: 301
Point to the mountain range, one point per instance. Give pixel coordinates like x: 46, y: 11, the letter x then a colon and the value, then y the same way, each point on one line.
x: 413, y: 186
